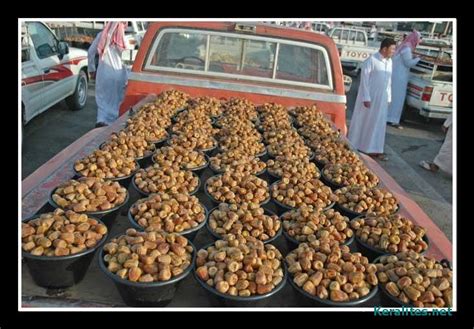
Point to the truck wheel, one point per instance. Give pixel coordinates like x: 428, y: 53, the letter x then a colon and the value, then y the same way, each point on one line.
x: 78, y: 100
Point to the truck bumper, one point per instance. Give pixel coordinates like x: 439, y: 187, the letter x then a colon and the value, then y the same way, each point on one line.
x: 350, y: 65
x: 426, y: 110
x: 436, y: 112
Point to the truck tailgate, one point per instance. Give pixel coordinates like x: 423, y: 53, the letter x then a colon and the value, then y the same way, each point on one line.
x: 354, y: 53
x: 442, y: 96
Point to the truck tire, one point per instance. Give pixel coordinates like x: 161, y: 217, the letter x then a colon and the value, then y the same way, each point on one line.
x: 78, y: 100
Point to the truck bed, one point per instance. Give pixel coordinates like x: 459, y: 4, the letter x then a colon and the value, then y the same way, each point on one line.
x: 96, y: 290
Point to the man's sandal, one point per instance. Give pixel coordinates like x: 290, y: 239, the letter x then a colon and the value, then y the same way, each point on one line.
x: 379, y: 156
x: 428, y: 166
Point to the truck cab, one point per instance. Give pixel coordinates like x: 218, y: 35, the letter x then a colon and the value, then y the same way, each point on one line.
x: 354, y: 47
x: 134, y: 34
x: 261, y: 62
x: 321, y: 27
x: 51, y: 71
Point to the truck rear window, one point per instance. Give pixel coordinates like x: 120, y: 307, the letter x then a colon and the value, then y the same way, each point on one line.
x: 233, y: 55
x: 181, y: 50
x: 301, y: 64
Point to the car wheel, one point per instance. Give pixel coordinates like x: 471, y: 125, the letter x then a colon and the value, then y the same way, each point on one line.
x: 78, y: 100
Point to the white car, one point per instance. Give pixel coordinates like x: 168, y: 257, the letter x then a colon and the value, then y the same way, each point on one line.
x: 51, y: 71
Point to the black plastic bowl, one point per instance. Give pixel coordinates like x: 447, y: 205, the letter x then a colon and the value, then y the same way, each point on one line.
x: 274, y: 178
x: 347, y: 212
x: 62, y: 271
x: 262, y: 154
x: 387, y: 298
x: 373, y: 253
x: 331, y: 184
x: 218, y: 172
x: 160, y: 142
x: 216, y: 124
x: 282, y: 208
x: 219, y: 299
x: 216, y: 236
x: 390, y: 300
x: 352, y: 214
x: 273, y: 156
x: 206, y: 151
x: 310, y: 300
x: 108, y: 217
x: 145, y: 194
x: 147, y: 294
x: 216, y: 202
x: 296, y: 124
x: 188, y: 234
x: 146, y: 160
x: 174, y: 118
x: 328, y: 182
x: 142, y: 161
x: 292, y: 243
x: 197, y: 170
x: 319, y: 164
x: 124, y: 181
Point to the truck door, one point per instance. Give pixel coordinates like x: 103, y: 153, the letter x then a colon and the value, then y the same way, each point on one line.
x: 57, y: 78
x: 31, y: 79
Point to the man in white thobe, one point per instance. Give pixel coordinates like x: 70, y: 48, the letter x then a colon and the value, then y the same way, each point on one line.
x: 444, y: 159
x: 403, y: 60
x: 369, y: 119
x: 111, y: 77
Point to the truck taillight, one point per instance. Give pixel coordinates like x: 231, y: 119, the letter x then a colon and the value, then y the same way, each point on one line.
x: 427, y: 92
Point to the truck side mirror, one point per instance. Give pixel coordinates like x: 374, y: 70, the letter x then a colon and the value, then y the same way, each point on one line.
x: 63, y: 49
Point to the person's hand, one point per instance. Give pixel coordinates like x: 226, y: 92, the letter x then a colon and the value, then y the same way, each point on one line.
x: 367, y: 105
x: 92, y: 75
